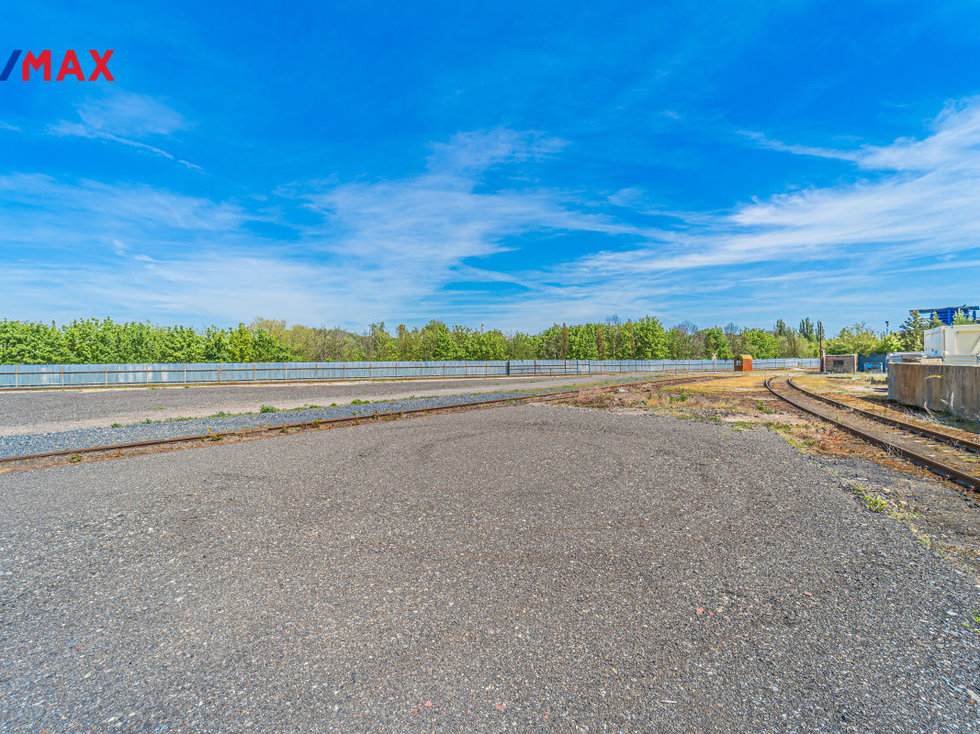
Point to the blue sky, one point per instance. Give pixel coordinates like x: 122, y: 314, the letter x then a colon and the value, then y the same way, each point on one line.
x: 508, y: 164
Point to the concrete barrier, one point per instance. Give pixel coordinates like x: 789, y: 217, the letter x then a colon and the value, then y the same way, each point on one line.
x: 953, y: 389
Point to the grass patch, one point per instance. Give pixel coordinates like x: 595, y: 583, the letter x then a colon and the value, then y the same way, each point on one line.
x: 268, y: 409
x: 801, y: 444
x: 761, y: 407
x: 778, y: 427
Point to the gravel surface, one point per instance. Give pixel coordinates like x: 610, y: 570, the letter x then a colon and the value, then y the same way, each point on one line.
x: 48, y: 411
x: 531, y: 568
x: 36, y: 443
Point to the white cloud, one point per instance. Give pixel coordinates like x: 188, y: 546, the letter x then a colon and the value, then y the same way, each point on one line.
x: 403, y: 248
x: 411, y: 236
x: 475, y: 152
x: 128, y: 119
x: 92, y: 210
x: 923, y: 197
x: 130, y: 115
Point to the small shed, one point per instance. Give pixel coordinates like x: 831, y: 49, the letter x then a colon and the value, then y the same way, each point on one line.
x: 743, y: 363
x: 844, y: 363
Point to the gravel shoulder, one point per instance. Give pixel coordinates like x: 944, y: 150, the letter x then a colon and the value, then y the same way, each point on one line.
x: 33, y: 443
x: 531, y: 568
x: 52, y: 411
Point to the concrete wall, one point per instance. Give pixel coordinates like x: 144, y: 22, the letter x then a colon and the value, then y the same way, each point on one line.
x: 938, y: 387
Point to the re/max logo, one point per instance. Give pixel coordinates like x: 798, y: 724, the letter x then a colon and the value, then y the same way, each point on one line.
x: 69, y: 66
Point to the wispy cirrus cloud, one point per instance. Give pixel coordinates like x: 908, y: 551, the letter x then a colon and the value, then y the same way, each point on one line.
x: 415, y: 247
x: 418, y: 232
x: 916, y: 196
x: 126, y: 118
x: 42, y: 210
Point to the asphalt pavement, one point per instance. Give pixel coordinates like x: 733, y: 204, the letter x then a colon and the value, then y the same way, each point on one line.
x: 531, y: 568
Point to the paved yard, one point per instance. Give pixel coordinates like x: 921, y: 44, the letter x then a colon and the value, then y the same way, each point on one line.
x: 533, y: 568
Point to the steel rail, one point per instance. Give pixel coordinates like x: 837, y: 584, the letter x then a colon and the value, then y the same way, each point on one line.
x: 352, y: 420
x: 918, y: 428
x: 939, y: 467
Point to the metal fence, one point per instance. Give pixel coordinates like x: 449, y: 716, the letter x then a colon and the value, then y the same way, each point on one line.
x: 90, y: 375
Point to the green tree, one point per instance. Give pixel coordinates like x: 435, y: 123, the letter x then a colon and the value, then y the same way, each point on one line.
x: 855, y: 339
x: 961, y: 319
x: 715, y: 344
x: 759, y: 343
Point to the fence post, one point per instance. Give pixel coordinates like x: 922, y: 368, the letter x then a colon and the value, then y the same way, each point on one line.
x: 16, y: 376
x: 62, y: 375
x: 219, y: 371
x: 285, y: 373
x: 185, y: 373
x: 107, y: 374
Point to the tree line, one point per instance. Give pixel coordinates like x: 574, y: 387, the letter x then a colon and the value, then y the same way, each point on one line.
x: 94, y: 341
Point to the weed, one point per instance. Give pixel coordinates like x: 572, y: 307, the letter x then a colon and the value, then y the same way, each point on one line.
x: 116, y: 425
x: 358, y: 401
x: 157, y: 408
x: 874, y: 502
x: 75, y: 458
x: 742, y: 426
x: 268, y: 409
x: 333, y: 405
x: 761, y: 407
x: 974, y: 624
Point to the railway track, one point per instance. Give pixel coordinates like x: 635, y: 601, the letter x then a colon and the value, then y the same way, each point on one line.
x: 950, y: 454
x: 136, y: 448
